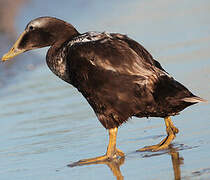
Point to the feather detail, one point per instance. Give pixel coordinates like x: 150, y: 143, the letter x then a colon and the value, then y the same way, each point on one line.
x: 194, y: 99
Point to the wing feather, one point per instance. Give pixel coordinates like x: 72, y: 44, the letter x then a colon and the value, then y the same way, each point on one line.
x: 118, y: 55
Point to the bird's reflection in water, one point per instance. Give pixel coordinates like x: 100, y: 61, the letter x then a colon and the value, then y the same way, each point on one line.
x: 176, y: 162
x: 114, y: 166
x: 116, y: 163
x: 175, y: 158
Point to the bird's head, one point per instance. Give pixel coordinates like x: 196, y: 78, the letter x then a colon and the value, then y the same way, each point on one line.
x: 41, y: 32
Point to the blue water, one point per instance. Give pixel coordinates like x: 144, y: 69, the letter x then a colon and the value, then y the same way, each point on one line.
x: 46, y: 124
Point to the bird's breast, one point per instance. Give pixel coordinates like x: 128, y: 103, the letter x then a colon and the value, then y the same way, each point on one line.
x: 58, y: 64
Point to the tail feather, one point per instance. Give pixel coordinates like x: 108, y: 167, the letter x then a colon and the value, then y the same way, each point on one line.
x: 194, y: 99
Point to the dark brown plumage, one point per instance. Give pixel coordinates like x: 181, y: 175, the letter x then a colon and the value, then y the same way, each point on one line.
x: 120, y: 79
x: 117, y: 76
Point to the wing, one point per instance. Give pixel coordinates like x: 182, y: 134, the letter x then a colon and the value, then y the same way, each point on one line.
x: 112, y: 77
x: 119, y: 54
x: 122, y: 75
x: 139, y: 49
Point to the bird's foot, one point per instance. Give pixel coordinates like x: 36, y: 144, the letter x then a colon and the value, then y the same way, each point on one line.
x: 98, y: 159
x: 164, y: 144
x: 148, y: 148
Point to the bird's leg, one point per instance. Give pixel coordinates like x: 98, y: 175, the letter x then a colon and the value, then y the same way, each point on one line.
x: 171, y: 134
x: 112, y: 151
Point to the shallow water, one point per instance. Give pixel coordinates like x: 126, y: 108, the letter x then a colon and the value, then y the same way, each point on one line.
x: 46, y: 124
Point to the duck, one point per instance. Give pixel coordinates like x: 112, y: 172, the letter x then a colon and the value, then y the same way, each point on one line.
x: 117, y: 76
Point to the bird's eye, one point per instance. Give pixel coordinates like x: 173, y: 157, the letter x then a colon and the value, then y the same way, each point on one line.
x: 31, y: 28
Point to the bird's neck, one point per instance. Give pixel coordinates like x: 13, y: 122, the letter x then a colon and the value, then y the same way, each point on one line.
x: 67, y: 32
x: 57, y: 54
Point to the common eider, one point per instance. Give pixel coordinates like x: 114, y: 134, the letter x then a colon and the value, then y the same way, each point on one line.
x: 118, y: 77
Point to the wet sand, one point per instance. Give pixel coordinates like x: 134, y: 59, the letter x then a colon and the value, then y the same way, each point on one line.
x: 47, y: 125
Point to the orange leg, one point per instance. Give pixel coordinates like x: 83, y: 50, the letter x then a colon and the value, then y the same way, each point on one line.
x: 164, y: 144
x: 112, y: 151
